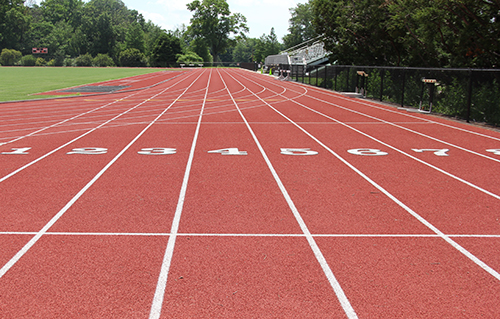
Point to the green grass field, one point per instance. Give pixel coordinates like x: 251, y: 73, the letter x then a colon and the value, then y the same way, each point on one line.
x: 19, y: 83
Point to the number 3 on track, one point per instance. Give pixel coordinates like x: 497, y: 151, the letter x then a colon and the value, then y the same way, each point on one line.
x: 157, y: 151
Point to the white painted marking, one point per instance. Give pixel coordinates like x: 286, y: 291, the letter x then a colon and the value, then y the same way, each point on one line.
x: 454, y: 244
x: 54, y: 219
x: 494, y: 151
x: 229, y: 151
x: 157, y: 151
x: 346, y: 305
x: 18, y: 151
x: 298, y: 151
x: 437, y: 152
x: 167, y: 258
x: 258, y: 235
x: 367, y: 152
x: 89, y: 151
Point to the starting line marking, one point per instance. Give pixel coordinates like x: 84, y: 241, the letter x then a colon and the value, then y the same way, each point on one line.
x: 257, y: 235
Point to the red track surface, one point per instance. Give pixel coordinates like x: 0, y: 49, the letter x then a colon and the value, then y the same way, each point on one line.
x: 227, y: 194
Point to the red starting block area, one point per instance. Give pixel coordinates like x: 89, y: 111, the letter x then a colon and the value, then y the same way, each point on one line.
x: 222, y: 193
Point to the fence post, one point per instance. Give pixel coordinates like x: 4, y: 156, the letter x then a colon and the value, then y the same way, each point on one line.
x: 317, y: 70
x: 335, y: 78
x: 403, y: 89
x: 382, y: 74
x: 469, y: 97
x: 347, y: 80
x: 324, y: 77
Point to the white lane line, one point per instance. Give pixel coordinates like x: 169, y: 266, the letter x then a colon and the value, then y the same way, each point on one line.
x: 256, y: 235
x: 78, y: 137
x: 344, y: 302
x: 469, y: 255
x: 167, y: 258
x: 54, y: 219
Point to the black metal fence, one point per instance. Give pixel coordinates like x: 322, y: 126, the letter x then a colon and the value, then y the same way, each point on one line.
x: 470, y: 94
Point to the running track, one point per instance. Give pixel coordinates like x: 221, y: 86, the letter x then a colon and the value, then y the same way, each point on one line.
x: 220, y: 193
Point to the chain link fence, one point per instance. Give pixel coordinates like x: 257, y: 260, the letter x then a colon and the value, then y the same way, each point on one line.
x: 470, y: 94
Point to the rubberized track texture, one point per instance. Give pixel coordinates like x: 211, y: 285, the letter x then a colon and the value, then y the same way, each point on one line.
x: 222, y: 193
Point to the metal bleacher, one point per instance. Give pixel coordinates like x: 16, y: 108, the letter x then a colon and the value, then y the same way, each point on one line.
x: 309, y: 53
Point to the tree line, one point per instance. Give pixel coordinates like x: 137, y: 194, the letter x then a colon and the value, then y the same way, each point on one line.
x: 438, y: 33
x: 107, y: 33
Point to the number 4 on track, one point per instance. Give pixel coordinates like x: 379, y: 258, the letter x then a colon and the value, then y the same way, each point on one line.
x: 229, y: 151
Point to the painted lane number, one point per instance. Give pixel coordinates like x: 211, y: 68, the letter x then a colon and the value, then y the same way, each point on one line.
x: 157, y: 151
x: 298, y: 151
x: 494, y: 151
x: 367, y: 152
x: 229, y: 151
x: 437, y: 152
x: 18, y: 151
x: 89, y: 151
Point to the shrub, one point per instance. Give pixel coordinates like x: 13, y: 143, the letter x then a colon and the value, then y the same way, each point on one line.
x: 28, y: 60
x: 40, y: 62
x: 103, y: 60
x: 69, y: 62
x: 132, y: 57
x: 9, y: 57
x: 84, y: 60
x: 51, y: 63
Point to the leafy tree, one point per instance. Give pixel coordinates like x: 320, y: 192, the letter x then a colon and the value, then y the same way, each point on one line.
x: 199, y: 47
x: 266, y: 45
x: 300, y: 27
x: 213, y: 21
x: 165, y: 50
x: 14, y: 23
x: 134, y: 38
x: 9, y: 57
x: 357, y: 31
x: 244, y: 50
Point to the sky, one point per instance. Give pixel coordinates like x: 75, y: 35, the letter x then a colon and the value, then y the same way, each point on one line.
x: 261, y: 15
